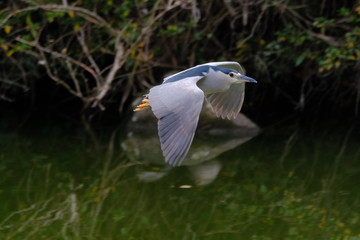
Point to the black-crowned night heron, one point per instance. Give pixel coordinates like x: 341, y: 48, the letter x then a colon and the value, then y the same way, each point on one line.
x: 177, y: 103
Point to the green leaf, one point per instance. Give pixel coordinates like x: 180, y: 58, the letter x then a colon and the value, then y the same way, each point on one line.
x: 344, y: 12
x: 299, y: 59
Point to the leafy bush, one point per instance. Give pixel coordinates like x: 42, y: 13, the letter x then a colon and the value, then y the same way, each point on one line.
x: 100, y: 50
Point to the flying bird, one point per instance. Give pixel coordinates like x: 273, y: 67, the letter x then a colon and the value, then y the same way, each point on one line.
x: 177, y: 103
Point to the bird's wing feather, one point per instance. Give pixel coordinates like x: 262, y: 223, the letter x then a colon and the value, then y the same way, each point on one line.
x: 232, y: 65
x: 228, y: 104
x: 177, y: 106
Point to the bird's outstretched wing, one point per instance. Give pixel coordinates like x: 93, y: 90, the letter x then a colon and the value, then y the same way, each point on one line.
x: 228, y: 104
x: 177, y: 106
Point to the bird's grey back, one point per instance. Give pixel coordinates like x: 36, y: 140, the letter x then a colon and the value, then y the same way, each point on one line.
x: 195, y: 72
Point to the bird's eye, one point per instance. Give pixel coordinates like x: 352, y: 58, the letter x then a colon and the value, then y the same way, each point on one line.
x: 231, y: 74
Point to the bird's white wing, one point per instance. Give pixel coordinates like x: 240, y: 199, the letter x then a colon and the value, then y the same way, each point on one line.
x: 177, y: 106
x: 232, y: 65
x: 228, y: 104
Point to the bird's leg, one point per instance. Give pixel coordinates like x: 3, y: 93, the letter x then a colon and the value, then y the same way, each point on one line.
x: 143, y: 105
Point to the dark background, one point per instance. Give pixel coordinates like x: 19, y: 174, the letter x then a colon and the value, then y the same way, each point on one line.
x: 304, y: 54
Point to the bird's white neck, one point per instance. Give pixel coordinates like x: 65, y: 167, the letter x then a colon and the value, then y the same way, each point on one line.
x: 215, y: 81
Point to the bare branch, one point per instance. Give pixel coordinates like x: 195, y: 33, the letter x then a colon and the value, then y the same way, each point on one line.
x: 118, y: 61
x: 87, y: 14
x: 60, y: 55
x: 257, y: 22
x: 55, y: 78
x: 81, y: 39
x: 74, y: 78
x: 329, y: 40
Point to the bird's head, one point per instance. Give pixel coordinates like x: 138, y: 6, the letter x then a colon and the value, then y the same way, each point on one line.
x: 237, y: 77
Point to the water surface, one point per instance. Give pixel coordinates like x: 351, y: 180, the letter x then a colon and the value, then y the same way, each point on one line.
x: 288, y: 183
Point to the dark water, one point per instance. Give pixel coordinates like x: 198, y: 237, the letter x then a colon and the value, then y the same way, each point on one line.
x: 287, y: 183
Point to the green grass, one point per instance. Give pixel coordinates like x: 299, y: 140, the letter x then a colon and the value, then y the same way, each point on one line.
x: 285, y: 184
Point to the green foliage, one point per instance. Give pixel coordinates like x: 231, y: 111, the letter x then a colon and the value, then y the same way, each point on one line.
x: 172, y: 30
x: 77, y: 44
x: 298, y: 44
